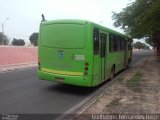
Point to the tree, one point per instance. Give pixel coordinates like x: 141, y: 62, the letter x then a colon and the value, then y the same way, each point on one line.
x: 18, y: 42
x: 138, y: 45
x: 140, y: 19
x: 34, y: 39
x: 3, y: 39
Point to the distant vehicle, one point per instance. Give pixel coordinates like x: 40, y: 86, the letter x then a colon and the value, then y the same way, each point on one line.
x: 80, y: 52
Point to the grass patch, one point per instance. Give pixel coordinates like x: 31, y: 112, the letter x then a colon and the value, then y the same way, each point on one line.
x: 135, y: 80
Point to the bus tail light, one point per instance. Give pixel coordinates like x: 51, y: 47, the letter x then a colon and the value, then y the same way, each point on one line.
x: 86, y: 68
x: 86, y: 64
x: 39, y: 64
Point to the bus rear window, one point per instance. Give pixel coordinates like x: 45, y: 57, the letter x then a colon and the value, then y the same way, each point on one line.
x: 62, y: 35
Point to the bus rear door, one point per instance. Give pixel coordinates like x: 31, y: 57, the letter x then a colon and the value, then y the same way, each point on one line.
x: 103, y: 55
x: 100, y: 63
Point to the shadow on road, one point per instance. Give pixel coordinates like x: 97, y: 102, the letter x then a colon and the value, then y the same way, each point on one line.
x: 69, y: 89
x: 74, y: 90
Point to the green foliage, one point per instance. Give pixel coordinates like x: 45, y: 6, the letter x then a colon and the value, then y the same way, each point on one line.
x: 5, y: 38
x: 18, y: 42
x: 140, y: 19
x: 34, y: 39
x: 139, y: 45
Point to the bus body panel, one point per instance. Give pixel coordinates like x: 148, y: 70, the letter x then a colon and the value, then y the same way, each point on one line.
x: 66, y: 79
x: 63, y: 56
x: 116, y: 59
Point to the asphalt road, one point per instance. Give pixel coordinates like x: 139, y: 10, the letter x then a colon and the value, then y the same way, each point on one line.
x: 22, y: 92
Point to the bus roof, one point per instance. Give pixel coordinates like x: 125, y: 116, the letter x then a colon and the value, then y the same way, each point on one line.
x: 61, y: 21
x: 78, y: 21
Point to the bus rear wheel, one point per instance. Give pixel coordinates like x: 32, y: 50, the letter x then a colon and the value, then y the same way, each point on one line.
x: 112, y: 73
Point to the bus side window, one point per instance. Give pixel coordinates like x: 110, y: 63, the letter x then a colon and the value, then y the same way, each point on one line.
x: 123, y: 43
x: 118, y: 42
x: 96, y: 41
x: 111, y: 43
x: 129, y: 44
x: 115, y: 43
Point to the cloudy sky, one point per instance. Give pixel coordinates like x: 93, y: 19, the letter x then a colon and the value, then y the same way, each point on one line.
x: 25, y: 15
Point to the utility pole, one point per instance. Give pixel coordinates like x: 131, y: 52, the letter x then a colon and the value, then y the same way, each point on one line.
x: 3, y: 37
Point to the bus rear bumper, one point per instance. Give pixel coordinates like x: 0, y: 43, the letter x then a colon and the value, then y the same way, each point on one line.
x: 85, y: 81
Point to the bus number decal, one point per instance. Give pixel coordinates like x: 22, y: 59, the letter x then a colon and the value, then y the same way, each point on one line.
x: 79, y: 57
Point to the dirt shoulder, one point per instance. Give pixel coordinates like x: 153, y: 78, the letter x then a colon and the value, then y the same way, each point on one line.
x: 137, y: 93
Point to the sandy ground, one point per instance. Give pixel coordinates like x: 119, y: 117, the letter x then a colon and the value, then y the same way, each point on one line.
x: 144, y: 98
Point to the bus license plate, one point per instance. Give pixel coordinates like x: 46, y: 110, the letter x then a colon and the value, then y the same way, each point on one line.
x: 59, y: 79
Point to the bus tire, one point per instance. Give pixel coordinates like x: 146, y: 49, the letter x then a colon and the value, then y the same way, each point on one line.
x: 112, y: 72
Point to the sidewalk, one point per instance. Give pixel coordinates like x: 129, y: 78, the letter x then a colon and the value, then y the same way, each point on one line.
x: 136, y: 93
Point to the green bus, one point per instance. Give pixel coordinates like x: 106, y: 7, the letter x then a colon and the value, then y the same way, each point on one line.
x: 80, y: 52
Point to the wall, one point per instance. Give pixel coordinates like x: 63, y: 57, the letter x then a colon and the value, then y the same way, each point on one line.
x: 17, y: 55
